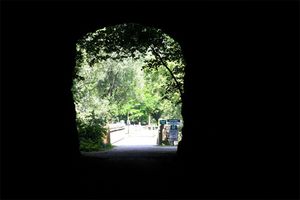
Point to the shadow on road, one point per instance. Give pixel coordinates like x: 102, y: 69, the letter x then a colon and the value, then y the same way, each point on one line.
x: 129, y: 171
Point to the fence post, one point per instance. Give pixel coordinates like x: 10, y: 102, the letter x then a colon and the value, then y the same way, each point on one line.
x: 161, y: 128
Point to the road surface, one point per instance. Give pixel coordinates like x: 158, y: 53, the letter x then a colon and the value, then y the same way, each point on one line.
x: 135, y: 167
x: 134, y: 135
x: 137, y: 143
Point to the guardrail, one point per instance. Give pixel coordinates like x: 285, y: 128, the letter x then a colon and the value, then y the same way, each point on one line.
x: 116, y: 127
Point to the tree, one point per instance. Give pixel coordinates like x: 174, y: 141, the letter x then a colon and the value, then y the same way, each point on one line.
x: 125, y: 71
x: 134, y: 40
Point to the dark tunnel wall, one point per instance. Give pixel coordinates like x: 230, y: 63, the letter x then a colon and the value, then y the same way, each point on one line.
x: 240, y: 104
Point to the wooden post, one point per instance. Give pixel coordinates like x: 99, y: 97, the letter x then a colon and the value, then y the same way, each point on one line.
x: 161, y: 128
x: 106, y: 139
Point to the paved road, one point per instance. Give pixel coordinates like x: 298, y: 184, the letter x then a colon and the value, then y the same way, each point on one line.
x: 135, y: 152
x: 135, y: 167
x: 130, y: 171
x: 139, y: 144
x: 134, y: 135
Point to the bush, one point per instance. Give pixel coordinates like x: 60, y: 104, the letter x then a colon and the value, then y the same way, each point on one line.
x: 91, y: 131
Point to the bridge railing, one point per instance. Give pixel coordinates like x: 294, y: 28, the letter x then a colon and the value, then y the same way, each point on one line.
x: 116, y: 127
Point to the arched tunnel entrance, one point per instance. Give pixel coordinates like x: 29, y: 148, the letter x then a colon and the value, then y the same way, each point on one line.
x: 128, y: 88
x: 236, y: 107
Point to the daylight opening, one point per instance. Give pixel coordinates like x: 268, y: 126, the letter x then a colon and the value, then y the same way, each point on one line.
x: 127, y: 88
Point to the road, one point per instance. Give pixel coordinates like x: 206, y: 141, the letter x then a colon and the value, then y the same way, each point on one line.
x: 135, y: 167
x: 129, y: 171
x: 136, y: 143
x: 134, y: 135
x: 134, y: 152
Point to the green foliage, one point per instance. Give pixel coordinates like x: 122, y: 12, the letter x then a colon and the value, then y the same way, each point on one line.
x: 133, y: 40
x: 91, y: 131
x: 125, y: 71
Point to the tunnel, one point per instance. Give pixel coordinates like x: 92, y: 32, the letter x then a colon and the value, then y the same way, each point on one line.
x: 240, y: 130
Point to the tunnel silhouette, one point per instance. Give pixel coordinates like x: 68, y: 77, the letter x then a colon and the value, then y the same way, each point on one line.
x: 238, y: 105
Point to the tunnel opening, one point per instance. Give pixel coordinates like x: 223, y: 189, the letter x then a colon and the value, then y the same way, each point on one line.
x: 127, y: 89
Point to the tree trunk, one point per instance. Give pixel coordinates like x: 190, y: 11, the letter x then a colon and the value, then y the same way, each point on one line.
x: 149, y: 119
x: 128, y: 122
x: 170, y: 71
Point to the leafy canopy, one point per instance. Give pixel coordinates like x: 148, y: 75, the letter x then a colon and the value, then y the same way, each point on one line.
x: 136, y: 41
x: 125, y: 71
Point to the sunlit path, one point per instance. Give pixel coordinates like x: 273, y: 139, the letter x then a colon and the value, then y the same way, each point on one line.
x: 139, y: 144
x: 134, y: 135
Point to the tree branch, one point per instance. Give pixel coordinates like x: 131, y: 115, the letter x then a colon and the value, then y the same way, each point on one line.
x: 170, y: 71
